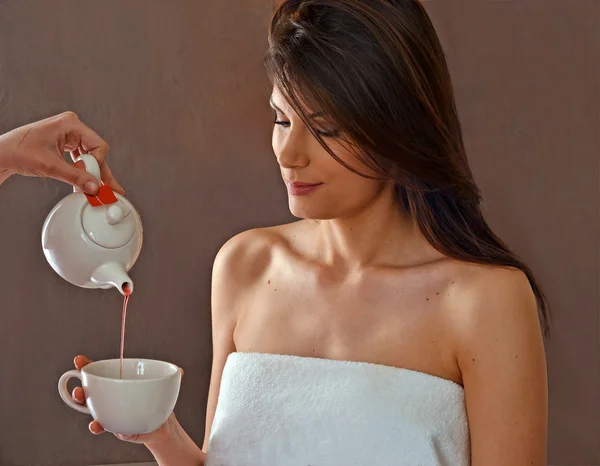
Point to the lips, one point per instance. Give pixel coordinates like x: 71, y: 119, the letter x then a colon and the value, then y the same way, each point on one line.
x: 299, y: 188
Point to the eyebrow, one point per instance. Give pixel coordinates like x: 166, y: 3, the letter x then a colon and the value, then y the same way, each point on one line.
x: 312, y: 115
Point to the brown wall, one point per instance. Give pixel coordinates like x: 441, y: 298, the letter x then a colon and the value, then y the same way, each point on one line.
x: 178, y: 90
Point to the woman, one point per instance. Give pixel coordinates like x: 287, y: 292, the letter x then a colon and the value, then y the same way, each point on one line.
x: 393, y: 268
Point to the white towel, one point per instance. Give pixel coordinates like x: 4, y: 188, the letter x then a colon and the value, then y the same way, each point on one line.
x: 280, y: 410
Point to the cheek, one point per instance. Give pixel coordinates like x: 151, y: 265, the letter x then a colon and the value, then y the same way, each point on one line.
x: 351, y: 187
x: 351, y: 159
x: 348, y: 158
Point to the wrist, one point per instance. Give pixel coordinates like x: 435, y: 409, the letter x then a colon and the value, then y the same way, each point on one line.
x: 176, y: 448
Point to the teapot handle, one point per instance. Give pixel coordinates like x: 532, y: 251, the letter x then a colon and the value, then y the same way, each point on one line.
x: 91, y: 166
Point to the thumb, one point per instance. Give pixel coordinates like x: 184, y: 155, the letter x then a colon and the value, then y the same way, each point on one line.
x: 77, y: 176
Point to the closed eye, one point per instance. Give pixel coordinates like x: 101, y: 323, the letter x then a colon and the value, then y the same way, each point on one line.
x: 320, y: 132
x: 286, y: 124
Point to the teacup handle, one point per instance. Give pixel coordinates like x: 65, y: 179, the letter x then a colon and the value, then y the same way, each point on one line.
x: 64, y: 393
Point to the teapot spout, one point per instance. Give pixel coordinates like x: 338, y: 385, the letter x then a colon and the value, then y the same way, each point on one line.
x: 113, y: 274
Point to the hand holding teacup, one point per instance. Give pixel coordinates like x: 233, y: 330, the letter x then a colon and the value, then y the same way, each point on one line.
x: 137, y: 408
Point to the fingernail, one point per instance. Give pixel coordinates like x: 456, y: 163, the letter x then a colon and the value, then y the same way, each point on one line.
x: 79, y: 394
x: 91, y: 187
x: 94, y: 428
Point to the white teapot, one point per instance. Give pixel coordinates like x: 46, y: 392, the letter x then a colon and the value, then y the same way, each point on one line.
x: 93, y: 247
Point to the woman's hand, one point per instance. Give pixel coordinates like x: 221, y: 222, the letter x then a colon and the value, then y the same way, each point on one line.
x: 169, y: 444
x: 161, y: 435
x: 37, y: 150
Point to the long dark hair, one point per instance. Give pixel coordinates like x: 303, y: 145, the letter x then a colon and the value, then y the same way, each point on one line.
x: 376, y: 69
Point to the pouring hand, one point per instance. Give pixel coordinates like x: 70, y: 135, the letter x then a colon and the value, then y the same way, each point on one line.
x: 37, y: 150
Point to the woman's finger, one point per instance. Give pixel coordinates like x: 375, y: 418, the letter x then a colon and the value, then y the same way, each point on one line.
x: 96, y: 428
x: 80, y: 362
x: 105, y: 172
x: 109, y: 179
x: 80, y: 135
x: 78, y: 395
x: 67, y: 172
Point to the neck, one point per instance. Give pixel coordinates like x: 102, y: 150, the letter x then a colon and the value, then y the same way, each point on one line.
x: 380, y: 234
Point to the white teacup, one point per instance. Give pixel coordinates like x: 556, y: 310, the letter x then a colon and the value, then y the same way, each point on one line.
x: 137, y: 404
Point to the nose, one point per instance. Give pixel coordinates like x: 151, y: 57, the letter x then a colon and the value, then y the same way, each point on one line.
x: 290, y: 150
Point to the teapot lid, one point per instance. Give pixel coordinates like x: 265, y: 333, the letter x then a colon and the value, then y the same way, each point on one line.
x: 107, y: 223
x: 110, y: 226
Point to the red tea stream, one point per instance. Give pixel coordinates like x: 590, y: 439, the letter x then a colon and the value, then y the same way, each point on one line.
x: 127, y: 291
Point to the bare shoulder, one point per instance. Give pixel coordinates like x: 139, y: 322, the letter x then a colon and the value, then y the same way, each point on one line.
x: 487, y: 296
x: 240, y: 263
x: 245, y: 257
x: 493, y: 311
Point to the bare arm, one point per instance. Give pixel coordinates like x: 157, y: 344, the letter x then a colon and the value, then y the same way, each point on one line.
x: 238, y: 265
x: 223, y: 324
x: 178, y: 449
x: 501, y: 356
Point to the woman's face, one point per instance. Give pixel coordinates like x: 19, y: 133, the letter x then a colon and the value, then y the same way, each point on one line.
x: 318, y: 186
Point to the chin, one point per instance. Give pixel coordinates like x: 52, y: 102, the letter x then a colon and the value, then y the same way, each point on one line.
x: 312, y: 210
